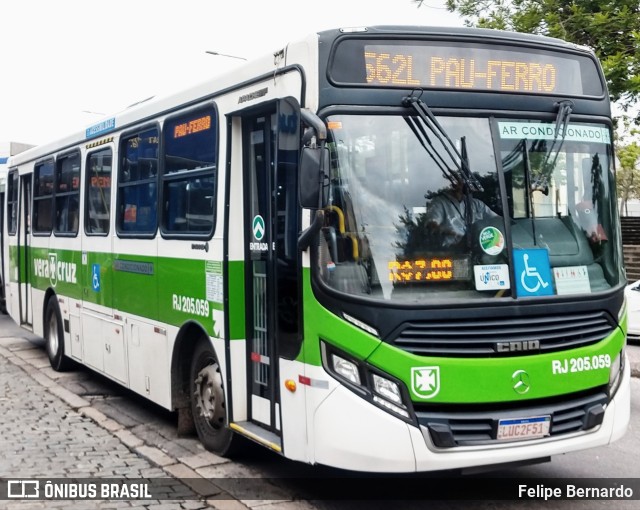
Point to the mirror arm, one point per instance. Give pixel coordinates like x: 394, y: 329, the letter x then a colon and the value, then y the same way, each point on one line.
x: 304, y: 241
x: 312, y: 120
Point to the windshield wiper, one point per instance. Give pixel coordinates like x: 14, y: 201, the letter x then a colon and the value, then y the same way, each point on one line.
x: 459, y: 160
x: 565, y: 107
x: 423, y: 137
x: 530, y: 187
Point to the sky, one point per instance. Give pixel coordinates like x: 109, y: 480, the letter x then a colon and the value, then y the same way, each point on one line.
x: 67, y: 63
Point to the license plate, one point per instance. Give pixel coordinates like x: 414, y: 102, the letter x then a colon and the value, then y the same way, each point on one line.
x: 518, y: 429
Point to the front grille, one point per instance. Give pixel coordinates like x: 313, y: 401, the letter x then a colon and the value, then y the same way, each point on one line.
x: 465, y: 428
x: 479, y: 336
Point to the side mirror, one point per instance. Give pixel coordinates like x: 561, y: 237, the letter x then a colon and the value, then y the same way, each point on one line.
x: 314, y: 176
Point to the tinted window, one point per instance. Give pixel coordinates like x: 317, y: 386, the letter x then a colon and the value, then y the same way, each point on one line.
x: 189, y: 173
x: 98, y: 200
x: 138, y: 184
x: 43, y: 197
x: 67, y: 194
x: 12, y: 203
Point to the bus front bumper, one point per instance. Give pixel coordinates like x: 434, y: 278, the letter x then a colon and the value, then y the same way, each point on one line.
x: 352, y: 434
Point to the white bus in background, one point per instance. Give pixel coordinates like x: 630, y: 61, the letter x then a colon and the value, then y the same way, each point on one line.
x: 6, y: 149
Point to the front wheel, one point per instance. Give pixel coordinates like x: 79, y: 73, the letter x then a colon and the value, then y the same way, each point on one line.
x: 54, y: 337
x: 208, y: 403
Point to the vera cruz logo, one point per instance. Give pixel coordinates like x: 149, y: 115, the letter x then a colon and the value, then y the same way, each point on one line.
x: 54, y: 269
x: 53, y: 264
x: 425, y: 381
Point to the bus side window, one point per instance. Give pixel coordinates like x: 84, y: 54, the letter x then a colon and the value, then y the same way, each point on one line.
x: 43, y: 197
x: 12, y: 203
x: 189, y: 174
x: 67, y: 193
x: 137, y: 184
x: 98, y: 199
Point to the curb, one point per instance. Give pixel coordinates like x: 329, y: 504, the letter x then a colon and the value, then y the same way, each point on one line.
x: 180, y: 469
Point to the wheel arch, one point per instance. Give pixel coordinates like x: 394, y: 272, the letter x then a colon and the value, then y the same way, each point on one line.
x: 49, y: 294
x: 183, y: 348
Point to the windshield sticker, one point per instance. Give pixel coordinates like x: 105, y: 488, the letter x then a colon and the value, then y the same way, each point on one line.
x: 491, y: 241
x: 533, y: 272
x: 572, y: 280
x: 492, y: 277
x: 540, y: 131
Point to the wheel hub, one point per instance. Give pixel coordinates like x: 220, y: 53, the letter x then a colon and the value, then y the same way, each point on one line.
x: 208, y: 395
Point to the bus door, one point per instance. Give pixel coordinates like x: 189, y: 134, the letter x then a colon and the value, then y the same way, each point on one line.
x: 270, y: 141
x: 24, y: 245
x: 102, y: 341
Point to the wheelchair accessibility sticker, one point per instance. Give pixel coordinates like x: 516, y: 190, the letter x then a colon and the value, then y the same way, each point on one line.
x: 533, y: 272
x: 95, y: 277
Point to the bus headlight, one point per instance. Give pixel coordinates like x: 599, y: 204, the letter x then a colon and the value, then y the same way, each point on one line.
x: 615, y: 376
x: 368, y: 382
x: 345, y: 368
x: 387, y: 394
x: 387, y: 389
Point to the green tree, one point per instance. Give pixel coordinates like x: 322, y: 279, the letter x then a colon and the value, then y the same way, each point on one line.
x: 627, y: 175
x: 610, y: 27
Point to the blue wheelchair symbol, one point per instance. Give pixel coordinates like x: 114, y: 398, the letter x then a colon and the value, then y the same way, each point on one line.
x: 533, y: 272
x: 95, y: 277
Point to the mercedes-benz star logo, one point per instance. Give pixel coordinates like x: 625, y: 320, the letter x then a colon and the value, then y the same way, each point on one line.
x: 521, y: 383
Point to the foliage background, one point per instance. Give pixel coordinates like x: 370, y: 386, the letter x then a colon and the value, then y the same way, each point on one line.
x: 611, y: 28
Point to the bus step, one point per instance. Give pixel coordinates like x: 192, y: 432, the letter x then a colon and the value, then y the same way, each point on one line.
x: 257, y: 433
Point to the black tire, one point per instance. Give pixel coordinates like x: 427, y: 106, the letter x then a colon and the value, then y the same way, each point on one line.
x: 208, y: 403
x: 54, y: 337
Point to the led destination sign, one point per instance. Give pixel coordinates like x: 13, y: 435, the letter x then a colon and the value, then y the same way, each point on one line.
x: 192, y: 127
x: 438, y: 269
x: 434, y: 64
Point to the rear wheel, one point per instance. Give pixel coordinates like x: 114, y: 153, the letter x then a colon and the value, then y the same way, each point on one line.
x: 208, y: 403
x: 54, y: 337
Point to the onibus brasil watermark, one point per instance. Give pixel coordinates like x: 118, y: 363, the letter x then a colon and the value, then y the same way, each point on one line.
x: 103, y: 489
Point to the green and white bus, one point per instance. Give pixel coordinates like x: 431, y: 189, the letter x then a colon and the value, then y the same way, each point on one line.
x: 259, y: 253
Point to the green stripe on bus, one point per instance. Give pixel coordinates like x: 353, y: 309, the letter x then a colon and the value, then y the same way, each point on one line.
x: 163, y: 289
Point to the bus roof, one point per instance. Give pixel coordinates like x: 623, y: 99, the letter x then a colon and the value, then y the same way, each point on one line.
x: 217, y: 84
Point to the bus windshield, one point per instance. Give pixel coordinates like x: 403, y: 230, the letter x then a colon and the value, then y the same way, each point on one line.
x: 404, y: 224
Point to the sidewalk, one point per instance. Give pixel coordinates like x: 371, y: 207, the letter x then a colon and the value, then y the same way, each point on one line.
x: 50, y: 433
x: 50, y: 430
